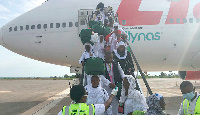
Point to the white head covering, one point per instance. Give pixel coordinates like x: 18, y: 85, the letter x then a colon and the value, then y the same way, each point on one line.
x: 93, y: 94
x: 115, y: 24
x: 87, y: 43
x: 121, y: 43
x: 116, y: 53
x: 131, y: 90
x: 133, y: 94
x: 100, y: 37
x: 103, y: 42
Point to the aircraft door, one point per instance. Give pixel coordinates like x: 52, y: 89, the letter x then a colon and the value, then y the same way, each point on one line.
x: 84, y: 16
x: 38, y: 46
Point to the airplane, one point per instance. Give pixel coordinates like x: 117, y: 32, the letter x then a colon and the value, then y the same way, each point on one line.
x: 163, y: 34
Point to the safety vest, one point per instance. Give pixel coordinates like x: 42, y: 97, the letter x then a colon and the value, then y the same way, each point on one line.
x: 137, y: 112
x: 79, y: 109
x: 186, y: 105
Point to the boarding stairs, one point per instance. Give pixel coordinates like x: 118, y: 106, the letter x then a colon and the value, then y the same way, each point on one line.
x: 86, y: 15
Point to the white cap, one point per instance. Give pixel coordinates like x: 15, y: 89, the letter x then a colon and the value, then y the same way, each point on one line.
x: 115, y: 24
x: 121, y: 43
x: 87, y: 43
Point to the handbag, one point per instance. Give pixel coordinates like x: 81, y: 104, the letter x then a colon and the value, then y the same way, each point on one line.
x: 121, y: 107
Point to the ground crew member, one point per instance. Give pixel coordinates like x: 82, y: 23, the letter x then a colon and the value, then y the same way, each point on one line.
x: 191, y: 104
x: 79, y: 97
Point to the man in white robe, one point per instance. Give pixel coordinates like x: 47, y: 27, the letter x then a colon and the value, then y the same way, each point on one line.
x: 96, y: 94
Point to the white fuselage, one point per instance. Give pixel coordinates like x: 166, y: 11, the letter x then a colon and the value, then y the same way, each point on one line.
x: 158, y: 47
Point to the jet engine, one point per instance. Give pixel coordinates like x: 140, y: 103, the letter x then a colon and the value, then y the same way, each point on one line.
x: 189, y: 75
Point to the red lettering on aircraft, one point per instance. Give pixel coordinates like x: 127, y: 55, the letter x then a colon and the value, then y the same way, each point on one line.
x: 128, y: 10
x: 177, y: 11
x: 196, y: 10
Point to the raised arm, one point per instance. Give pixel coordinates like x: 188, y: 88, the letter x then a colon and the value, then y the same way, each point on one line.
x: 82, y: 58
x: 109, y: 101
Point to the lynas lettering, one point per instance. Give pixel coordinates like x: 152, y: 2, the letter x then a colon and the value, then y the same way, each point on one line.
x: 143, y: 36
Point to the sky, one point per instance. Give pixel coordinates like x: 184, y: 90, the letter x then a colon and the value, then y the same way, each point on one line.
x: 14, y: 65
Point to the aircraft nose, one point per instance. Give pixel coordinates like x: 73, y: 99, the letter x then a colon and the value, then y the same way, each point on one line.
x: 1, y: 36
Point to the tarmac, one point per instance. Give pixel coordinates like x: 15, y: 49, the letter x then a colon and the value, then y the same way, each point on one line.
x: 47, y: 97
x: 29, y: 97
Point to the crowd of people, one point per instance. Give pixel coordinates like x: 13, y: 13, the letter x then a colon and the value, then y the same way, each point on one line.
x: 94, y: 100
x: 118, y: 81
x: 119, y: 70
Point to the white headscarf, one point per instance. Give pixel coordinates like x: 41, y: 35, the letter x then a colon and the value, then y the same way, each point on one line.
x: 115, y: 24
x: 121, y: 43
x: 94, y: 93
x: 132, y: 92
x: 100, y: 40
x: 101, y: 45
x: 116, y: 53
x: 131, y: 89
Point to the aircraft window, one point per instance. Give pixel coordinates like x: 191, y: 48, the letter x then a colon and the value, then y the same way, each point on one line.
x: 45, y: 26
x: 178, y: 20
x: 70, y: 24
x: 184, y: 20
x: 76, y: 24
x: 57, y: 25
x: 15, y: 29
x: 191, y: 20
x: 64, y: 25
x: 51, y: 25
x: 27, y: 27
x: 10, y: 29
x: 197, y: 20
x: 39, y: 26
x: 21, y: 27
x: 171, y: 20
x: 123, y: 22
x: 82, y: 22
x: 33, y: 27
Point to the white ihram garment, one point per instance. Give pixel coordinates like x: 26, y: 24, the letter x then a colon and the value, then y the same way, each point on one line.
x: 98, y: 96
x: 99, y: 49
x: 115, y: 101
x: 134, y: 100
